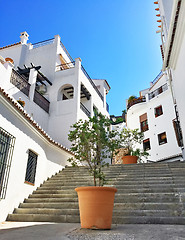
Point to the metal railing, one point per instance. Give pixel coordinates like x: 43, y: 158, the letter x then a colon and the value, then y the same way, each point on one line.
x: 43, y: 43
x: 107, y: 107
x: 20, y: 82
x: 85, y: 110
x: 7, y: 142
x: 136, y: 101
x: 65, y: 66
x: 158, y: 91
x: 157, y: 78
x: 65, y: 50
x: 92, y: 83
x: 41, y: 101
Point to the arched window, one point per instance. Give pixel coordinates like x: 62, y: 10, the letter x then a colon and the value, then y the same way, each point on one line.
x: 66, y: 92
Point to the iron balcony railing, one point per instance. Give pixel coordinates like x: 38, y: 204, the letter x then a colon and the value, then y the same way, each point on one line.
x: 136, y: 101
x: 65, y: 50
x: 158, y: 91
x: 85, y: 110
x: 107, y: 107
x: 92, y: 83
x: 65, y: 66
x: 7, y: 142
x: 20, y: 82
x: 157, y: 78
x: 41, y: 101
x: 43, y: 43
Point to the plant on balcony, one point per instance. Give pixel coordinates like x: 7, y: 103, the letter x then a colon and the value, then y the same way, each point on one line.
x: 92, y: 143
x: 129, y: 140
x: 131, y: 98
x: 21, y: 102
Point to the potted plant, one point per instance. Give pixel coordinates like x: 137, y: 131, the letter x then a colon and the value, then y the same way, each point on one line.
x: 21, y: 102
x: 129, y: 140
x: 92, y: 143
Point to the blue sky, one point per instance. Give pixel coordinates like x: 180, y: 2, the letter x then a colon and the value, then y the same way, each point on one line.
x: 116, y: 39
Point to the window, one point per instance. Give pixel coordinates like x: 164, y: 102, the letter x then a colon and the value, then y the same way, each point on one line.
x: 146, y: 144
x: 143, y: 122
x: 158, y: 111
x: 178, y: 132
x: 31, y: 168
x: 7, y: 142
x: 162, y: 138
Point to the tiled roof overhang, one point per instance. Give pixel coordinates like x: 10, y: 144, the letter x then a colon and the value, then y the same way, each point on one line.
x: 10, y: 45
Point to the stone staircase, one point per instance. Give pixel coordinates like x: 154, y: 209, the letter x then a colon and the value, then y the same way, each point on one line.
x: 147, y: 193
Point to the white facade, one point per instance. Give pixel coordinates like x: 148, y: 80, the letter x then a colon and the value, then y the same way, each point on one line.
x: 157, y: 96
x: 174, y: 52
x: 56, y: 95
x: 65, y: 76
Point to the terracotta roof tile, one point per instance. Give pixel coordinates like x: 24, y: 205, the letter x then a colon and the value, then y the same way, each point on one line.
x: 10, y: 45
x: 31, y: 121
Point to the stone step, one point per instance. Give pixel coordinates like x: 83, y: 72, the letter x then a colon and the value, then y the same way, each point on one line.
x: 51, y: 200
x: 47, y: 211
x: 71, y: 193
x: 43, y: 218
x: 55, y: 205
x: 148, y: 220
x: 147, y: 193
x: 153, y: 213
x: 148, y: 206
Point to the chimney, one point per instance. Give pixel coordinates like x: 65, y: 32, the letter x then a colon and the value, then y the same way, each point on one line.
x: 24, y: 37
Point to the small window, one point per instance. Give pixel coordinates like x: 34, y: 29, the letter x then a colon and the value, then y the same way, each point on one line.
x: 31, y: 168
x: 146, y: 144
x: 158, y: 111
x: 144, y: 126
x: 162, y: 138
x: 143, y: 122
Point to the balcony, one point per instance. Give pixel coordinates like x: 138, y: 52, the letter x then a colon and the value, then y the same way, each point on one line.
x: 20, y: 82
x: 41, y: 101
x: 158, y: 91
x: 92, y: 83
x: 65, y: 66
x: 136, y: 101
x: 43, y: 43
x: 85, y: 110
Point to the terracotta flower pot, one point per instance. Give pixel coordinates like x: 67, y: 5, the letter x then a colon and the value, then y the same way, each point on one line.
x: 96, y: 206
x: 129, y: 159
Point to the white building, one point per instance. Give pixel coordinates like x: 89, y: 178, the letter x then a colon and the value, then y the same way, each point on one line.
x: 172, y: 18
x: 33, y: 139
x: 68, y: 92
x: 153, y: 113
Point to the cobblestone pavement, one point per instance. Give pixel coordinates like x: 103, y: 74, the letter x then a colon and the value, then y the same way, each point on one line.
x: 65, y: 231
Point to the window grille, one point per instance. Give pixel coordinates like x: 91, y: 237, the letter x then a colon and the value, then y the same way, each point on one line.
x: 31, y: 167
x: 7, y: 142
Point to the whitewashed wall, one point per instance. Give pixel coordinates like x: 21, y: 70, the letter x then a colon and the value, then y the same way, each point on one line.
x: 50, y: 160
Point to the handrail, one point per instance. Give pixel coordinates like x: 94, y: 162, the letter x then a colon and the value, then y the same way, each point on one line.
x: 43, y: 43
x: 135, y: 101
x: 41, y: 101
x: 85, y: 110
x: 158, y: 91
x: 65, y: 50
x: 92, y: 83
x: 20, y: 82
x: 65, y: 66
x: 157, y: 78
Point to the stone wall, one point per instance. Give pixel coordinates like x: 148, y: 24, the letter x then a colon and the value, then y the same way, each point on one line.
x: 117, y: 159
